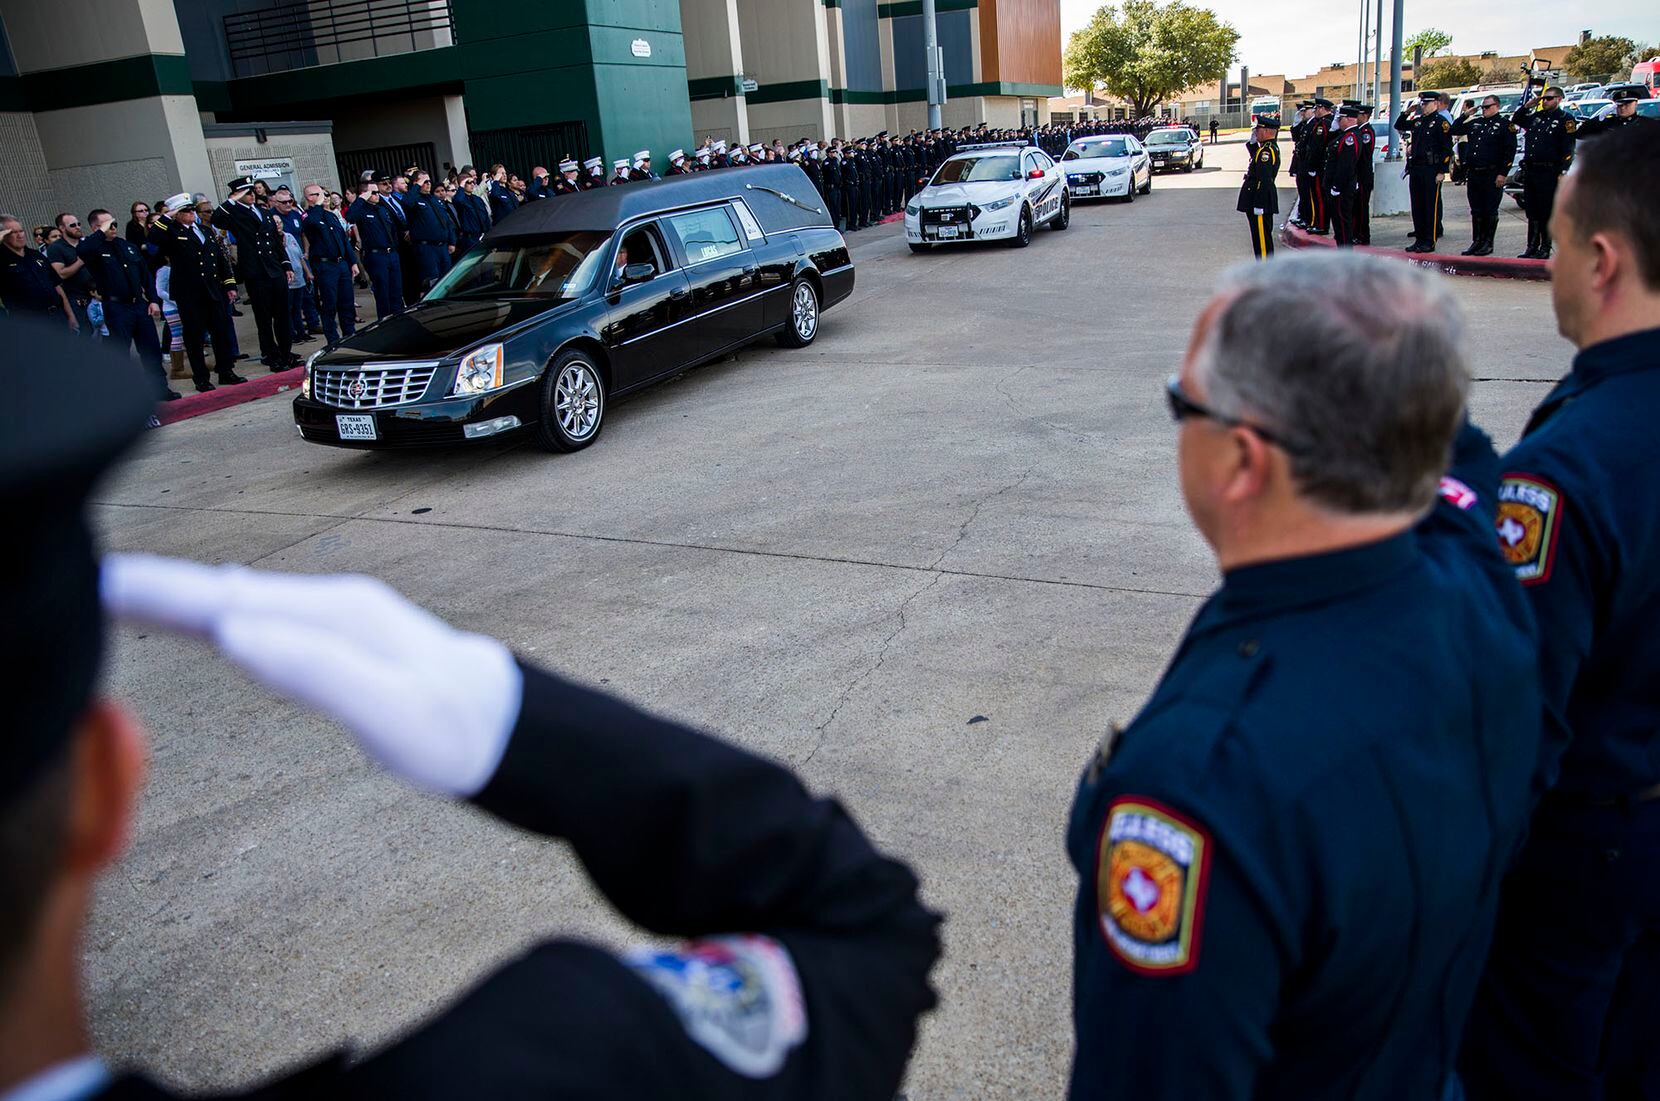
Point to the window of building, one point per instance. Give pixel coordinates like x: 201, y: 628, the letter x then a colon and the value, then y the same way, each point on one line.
x: 1028, y: 112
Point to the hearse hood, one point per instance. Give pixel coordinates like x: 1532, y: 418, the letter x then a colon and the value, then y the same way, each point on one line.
x: 434, y: 330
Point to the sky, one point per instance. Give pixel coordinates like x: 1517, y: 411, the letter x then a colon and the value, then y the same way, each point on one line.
x: 1292, y: 37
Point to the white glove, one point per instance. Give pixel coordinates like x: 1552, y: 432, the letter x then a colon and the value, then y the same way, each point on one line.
x: 1336, y: 194
x: 431, y: 704
x: 1257, y: 210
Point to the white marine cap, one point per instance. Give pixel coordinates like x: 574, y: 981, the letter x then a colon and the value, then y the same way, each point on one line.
x: 703, y: 154
x: 795, y: 154
x: 643, y: 155
x: 182, y: 199
x: 720, y: 147
x: 567, y: 166
x: 756, y: 148
x: 594, y: 163
x: 677, y: 156
x: 619, y: 164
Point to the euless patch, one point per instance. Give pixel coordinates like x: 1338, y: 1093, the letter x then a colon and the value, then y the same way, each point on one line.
x: 1152, y: 865
x: 738, y: 997
x: 1528, y: 522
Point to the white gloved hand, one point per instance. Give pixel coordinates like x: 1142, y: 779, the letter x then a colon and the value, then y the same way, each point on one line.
x: 1257, y: 210
x: 431, y: 704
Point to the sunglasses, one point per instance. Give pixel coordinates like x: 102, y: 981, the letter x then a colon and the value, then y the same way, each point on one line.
x: 1183, y: 406
x: 1550, y: 97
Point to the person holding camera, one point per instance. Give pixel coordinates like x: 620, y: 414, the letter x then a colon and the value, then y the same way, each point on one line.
x: 1487, y: 156
x: 1549, y: 152
x: 1427, y: 165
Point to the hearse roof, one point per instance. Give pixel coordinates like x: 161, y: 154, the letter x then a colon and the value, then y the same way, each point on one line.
x: 780, y: 195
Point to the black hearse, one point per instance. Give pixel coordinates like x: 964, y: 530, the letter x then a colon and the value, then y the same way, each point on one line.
x: 574, y: 300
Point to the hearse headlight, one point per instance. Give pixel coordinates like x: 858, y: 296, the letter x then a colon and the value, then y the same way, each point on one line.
x: 480, y: 370
x: 305, y: 376
x: 999, y: 204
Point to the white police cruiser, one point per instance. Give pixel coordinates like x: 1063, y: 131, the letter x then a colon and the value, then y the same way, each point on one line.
x: 992, y: 192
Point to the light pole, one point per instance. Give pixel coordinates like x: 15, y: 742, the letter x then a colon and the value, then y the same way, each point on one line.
x: 936, y: 77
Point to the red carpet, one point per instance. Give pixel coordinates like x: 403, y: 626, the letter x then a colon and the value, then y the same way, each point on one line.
x: 1498, y: 267
x: 194, y: 404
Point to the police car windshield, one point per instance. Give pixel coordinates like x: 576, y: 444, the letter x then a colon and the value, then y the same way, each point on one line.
x: 560, y: 266
x: 1115, y: 148
x: 979, y: 169
x: 1167, y: 137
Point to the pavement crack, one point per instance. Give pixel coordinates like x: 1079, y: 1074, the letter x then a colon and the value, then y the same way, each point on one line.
x: 974, y: 514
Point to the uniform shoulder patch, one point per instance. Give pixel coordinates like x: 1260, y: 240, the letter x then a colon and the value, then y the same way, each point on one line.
x: 1572, y: 126
x: 738, y: 997
x: 1529, y: 517
x: 1446, y: 126
x: 1457, y: 494
x: 1152, y: 867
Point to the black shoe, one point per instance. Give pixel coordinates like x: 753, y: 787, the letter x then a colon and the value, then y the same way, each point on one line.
x: 241, y: 355
x: 171, y: 395
x: 1528, y: 255
x: 1473, y: 250
x: 1320, y: 232
x: 231, y: 378
x: 1542, y: 254
x: 205, y: 387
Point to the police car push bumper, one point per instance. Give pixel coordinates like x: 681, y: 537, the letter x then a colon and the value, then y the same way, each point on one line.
x: 1000, y: 218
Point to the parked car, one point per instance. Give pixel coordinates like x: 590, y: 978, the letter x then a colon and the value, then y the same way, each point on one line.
x: 575, y: 300
x: 1583, y: 109
x: 1109, y: 165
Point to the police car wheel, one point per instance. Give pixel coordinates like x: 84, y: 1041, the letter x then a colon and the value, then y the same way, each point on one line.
x: 1064, y: 218
x: 1147, y: 188
x: 1129, y: 192
x: 804, y: 311
x: 573, y: 404
x: 1023, y: 230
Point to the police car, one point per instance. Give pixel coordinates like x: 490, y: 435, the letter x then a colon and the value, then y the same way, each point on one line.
x: 991, y: 192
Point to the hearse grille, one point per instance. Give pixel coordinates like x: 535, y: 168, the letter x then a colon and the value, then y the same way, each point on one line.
x: 373, y: 386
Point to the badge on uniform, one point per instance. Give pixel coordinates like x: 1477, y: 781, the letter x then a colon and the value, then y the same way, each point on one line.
x: 738, y: 997
x: 1150, y: 879
x: 1528, y: 519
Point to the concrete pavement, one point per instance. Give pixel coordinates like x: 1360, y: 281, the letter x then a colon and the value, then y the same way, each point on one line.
x: 959, y: 503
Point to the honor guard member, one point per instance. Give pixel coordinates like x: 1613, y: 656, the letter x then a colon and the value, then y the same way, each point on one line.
x: 127, y: 290
x: 1427, y: 164
x: 851, y: 169
x: 378, y: 231
x: 832, y: 185
x: 472, y: 215
x: 795, y: 956
x: 595, y: 176
x: 1315, y: 137
x: 328, y: 249
x: 1290, y: 860
x: 1342, y: 173
x: 1259, y: 198
x: 567, y: 182
x: 1579, y: 520
x: 1548, y: 152
x: 263, y: 267
x: 1625, y: 114
x: 199, y: 282
x: 1489, y: 149
x: 431, y: 231
x: 1368, y: 140
x: 619, y: 171
x: 641, y: 169
x: 677, y: 163
x: 1305, y: 203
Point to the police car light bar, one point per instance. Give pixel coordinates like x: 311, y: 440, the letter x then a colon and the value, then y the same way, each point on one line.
x: 992, y: 145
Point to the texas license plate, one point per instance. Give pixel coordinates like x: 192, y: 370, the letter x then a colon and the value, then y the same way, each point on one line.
x: 355, y: 428
x: 1085, y: 189
x: 946, y: 231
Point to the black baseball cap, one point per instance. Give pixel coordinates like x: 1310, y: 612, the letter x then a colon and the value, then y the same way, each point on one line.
x: 52, y: 453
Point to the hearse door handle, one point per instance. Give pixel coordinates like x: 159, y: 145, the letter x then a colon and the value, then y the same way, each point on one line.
x: 679, y: 294
x: 750, y: 271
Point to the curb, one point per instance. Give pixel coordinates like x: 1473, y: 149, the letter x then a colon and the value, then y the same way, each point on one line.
x: 1494, y: 267
x: 194, y: 405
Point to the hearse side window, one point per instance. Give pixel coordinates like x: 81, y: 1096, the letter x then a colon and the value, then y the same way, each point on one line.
x: 705, y: 234
x: 643, y: 246
x: 752, y: 228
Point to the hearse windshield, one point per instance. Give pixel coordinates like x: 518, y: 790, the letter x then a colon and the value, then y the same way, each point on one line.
x: 557, y: 267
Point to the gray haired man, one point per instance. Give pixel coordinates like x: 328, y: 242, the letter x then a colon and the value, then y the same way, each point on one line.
x: 1289, y: 862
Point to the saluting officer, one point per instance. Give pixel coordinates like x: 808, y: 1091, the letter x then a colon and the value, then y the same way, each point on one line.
x: 640, y: 170
x: 1259, y: 197
x: 595, y: 176
x: 1316, y: 137
x: 127, y: 289
x: 1305, y: 204
x: 473, y: 214
x: 1625, y: 114
x: 833, y: 188
x: 1289, y: 862
x: 1548, y: 153
x: 379, y: 232
x: 199, y: 281
x: 1428, y: 163
x: 677, y: 163
x: 1577, y: 519
x: 1488, y: 153
x: 430, y: 230
x: 262, y: 260
x: 1367, y: 139
x: 567, y: 182
x: 328, y: 249
x: 800, y: 959
x: 1342, y: 173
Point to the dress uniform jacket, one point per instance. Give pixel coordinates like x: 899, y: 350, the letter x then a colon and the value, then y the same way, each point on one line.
x: 1491, y: 144
x: 1290, y: 860
x: 1431, y: 138
x: 1259, y: 191
x: 1550, y: 138
x: 261, y: 255
x: 200, y: 271
x: 1592, y: 127
x: 808, y: 979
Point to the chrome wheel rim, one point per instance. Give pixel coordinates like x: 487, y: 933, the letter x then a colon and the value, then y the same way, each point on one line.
x: 805, y: 312
x: 576, y: 400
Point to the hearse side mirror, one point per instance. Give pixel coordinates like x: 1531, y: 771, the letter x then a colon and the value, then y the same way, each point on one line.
x: 637, y: 273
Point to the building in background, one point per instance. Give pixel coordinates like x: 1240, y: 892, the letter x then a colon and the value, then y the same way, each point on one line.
x: 106, y: 101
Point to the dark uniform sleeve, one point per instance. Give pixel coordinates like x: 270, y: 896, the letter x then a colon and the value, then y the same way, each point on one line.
x: 1184, y: 937
x: 816, y: 996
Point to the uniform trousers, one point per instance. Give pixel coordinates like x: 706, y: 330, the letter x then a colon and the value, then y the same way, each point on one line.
x: 203, y: 318
x: 334, y: 287
x: 1539, y: 182
x: 1576, y: 921
x: 1342, y: 211
x: 386, y: 278
x: 1425, y: 193
x: 1305, y: 201
x: 432, y: 259
x: 1262, y: 235
x: 1363, y: 214
x: 270, y: 301
x: 129, y: 323
x: 1321, y: 222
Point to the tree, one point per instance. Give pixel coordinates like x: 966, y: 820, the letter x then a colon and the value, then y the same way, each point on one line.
x: 1430, y: 40
x: 1449, y: 72
x: 1599, y: 58
x: 1145, y: 54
